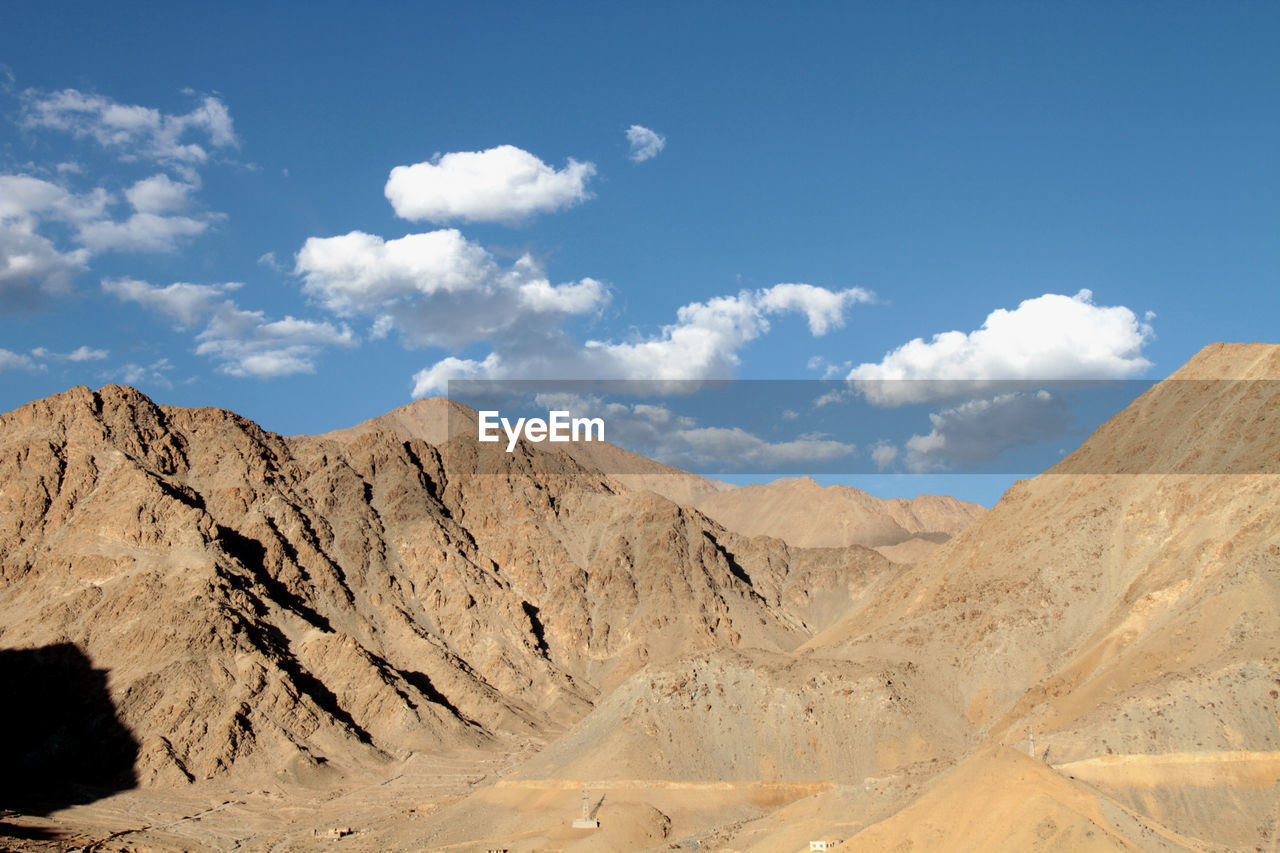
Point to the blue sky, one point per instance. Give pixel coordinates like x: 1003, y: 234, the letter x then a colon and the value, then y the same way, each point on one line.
x: 916, y: 166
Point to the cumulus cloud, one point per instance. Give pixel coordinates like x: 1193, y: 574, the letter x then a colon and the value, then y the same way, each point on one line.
x: 25, y: 199
x: 440, y: 289
x: 152, y: 227
x: 705, y: 339
x: 243, y: 343
x: 503, y: 184
x: 32, y: 267
x: 703, y: 343
x: 134, y: 132
x: 645, y: 143
x: 159, y: 194
x: 187, y: 304
x: 1048, y: 337
x: 979, y: 430
x: 824, y: 308
x: 436, y: 378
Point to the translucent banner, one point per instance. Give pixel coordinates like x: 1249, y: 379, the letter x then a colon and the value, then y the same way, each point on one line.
x: 837, y: 427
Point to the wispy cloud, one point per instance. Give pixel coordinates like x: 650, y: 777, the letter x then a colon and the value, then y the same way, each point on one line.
x: 81, y: 353
x: 134, y: 132
x: 243, y: 343
x: 246, y: 343
x: 645, y: 143
x: 155, y: 374
x: 187, y: 304
x: 10, y: 360
x: 50, y: 232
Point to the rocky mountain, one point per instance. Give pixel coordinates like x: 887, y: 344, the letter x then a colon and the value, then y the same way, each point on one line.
x: 1093, y: 664
x: 261, y: 602
x: 437, y: 419
x: 1119, y: 626
x: 802, y: 513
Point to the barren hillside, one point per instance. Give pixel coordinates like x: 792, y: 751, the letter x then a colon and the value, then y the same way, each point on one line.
x: 261, y: 602
x: 1093, y: 664
x: 802, y: 513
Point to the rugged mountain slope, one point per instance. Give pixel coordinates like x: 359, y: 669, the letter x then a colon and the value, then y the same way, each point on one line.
x: 260, y: 602
x: 436, y: 419
x: 802, y: 513
x: 1125, y: 614
x: 1129, y: 620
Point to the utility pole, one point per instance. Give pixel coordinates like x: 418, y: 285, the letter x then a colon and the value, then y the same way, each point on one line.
x: 586, y: 821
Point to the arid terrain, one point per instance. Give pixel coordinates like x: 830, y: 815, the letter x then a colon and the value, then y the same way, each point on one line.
x: 217, y: 638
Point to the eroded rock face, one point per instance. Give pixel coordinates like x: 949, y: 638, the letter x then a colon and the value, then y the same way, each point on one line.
x: 1128, y: 620
x: 261, y: 601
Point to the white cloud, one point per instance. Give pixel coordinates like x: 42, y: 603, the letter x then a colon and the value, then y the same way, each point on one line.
x: 86, y: 353
x: 81, y: 353
x: 28, y: 200
x: 10, y: 360
x: 187, y: 304
x: 133, y: 132
x: 247, y: 344
x: 32, y: 267
x: 503, y: 184
x: 439, y: 289
x: 141, y: 232
x: 705, y: 339
x: 435, y: 379
x: 703, y: 343
x: 735, y: 448
x: 583, y: 297
x: 149, y: 229
x: 146, y: 374
x: 884, y: 455
x: 1048, y: 337
x: 645, y: 143
x: 34, y: 262
x: 824, y: 308
x: 659, y: 433
x: 159, y: 194
x: 979, y: 430
x: 244, y: 343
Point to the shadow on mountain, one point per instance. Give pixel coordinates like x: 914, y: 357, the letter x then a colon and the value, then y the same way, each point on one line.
x: 61, y: 742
